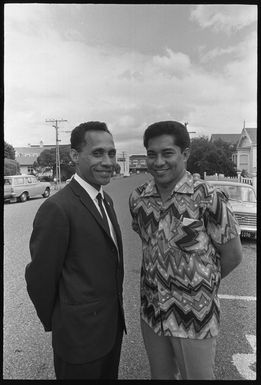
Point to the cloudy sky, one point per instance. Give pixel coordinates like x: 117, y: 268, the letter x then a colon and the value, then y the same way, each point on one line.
x: 130, y: 66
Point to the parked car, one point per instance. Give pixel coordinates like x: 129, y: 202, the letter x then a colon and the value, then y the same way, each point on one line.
x: 23, y: 187
x: 242, y: 197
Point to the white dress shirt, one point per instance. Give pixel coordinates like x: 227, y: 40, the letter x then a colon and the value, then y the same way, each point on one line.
x: 92, y: 192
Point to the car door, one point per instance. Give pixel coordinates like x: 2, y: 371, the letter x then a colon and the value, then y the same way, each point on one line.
x: 19, y: 185
x: 33, y: 186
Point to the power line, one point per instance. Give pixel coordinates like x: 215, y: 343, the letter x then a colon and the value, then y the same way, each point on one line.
x: 57, y: 163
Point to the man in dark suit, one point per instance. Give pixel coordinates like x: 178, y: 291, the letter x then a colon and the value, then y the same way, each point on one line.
x: 76, y: 274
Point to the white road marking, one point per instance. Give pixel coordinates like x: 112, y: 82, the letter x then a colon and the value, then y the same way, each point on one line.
x: 242, y: 297
x: 241, y: 361
x: 244, y: 361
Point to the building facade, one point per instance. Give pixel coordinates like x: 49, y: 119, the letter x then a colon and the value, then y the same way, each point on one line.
x: 26, y: 156
x: 138, y: 163
x: 122, y: 158
x: 245, y: 156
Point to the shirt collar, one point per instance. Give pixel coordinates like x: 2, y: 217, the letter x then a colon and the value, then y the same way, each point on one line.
x: 184, y: 186
x: 88, y: 188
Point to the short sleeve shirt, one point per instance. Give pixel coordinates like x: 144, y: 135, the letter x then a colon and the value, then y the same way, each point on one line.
x: 181, y: 272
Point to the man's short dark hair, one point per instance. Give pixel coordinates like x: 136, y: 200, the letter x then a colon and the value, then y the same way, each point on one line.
x: 78, y: 133
x: 169, y: 127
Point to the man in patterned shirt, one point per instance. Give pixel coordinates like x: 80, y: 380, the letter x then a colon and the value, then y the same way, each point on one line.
x: 190, y: 241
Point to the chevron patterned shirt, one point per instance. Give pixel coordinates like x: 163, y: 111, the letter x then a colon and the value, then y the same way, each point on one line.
x: 180, y: 273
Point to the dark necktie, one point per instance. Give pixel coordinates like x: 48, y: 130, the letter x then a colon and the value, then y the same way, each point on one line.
x: 105, y: 220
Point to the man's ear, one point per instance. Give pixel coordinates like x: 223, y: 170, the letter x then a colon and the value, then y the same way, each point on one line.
x: 74, y: 155
x: 186, y: 153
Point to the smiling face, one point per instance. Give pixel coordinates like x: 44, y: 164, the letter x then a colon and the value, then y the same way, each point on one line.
x: 96, y: 161
x: 165, y: 161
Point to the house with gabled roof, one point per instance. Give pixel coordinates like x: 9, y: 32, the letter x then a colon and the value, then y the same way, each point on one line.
x: 245, y: 156
x: 228, y: 138
x: 26, y: 156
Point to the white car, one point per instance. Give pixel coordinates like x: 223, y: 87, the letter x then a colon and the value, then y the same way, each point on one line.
x: 242, y: 198
x: 23, y: 187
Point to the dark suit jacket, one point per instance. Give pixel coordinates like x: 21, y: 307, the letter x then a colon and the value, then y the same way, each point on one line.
x: 76, y: 274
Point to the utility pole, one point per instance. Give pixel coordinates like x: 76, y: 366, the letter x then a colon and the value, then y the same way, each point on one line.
x: 124, y: 160
x: 190, y: 132
x: 57, y: 163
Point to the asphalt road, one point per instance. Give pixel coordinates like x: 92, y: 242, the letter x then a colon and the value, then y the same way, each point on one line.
x: 27, y: 352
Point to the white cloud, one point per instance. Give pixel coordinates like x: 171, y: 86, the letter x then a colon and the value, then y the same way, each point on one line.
x: 48, y: 77
x: 225, y: 18
x: 174, y: 63
x: 242, y: 72
x: 217, y: 52
x: 126, y: 121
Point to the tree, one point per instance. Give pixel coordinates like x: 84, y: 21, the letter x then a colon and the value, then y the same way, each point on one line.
x: 117, y: 168
x: 47, y: 158
x: 244, y: 173
x: 11, y: 167
x: 224, y: 151
x: 197, y: 162
x: 211, y: 158
x: 9, y: 151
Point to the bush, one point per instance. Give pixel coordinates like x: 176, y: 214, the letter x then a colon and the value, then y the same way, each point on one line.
x: 46, y: 178
x: 11, y: 167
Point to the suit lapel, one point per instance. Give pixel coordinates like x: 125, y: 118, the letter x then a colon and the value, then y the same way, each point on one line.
x: 88, y: 203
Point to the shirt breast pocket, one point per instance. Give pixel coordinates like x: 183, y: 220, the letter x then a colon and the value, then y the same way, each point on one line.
x: 191, y: 235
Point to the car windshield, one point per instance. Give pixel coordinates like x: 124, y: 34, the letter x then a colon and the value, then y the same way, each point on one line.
x: 240, y: 193
x: 7, y: 181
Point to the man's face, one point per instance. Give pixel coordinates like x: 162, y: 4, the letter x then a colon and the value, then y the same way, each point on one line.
x: 96, y: 161
x: 165, y: 161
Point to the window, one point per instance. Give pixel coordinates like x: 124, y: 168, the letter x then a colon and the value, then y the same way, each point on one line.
x: 244, y: 194
x: 254, y: 156
x: 243, y: 161
x: 234, y: 158
x: 18, y: 181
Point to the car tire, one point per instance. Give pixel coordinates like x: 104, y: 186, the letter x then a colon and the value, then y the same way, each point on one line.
x: 23, y: 197
x: 46, y: 193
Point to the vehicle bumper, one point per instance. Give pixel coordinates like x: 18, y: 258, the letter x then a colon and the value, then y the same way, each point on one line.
x: 10, y: 198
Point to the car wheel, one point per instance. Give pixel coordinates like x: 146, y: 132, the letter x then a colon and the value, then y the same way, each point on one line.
x: 23, y: 197
x: 46, y: 193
